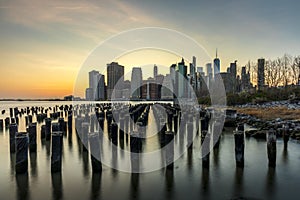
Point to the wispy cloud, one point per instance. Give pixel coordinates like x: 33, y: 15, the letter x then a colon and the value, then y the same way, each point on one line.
x: 89, y: 19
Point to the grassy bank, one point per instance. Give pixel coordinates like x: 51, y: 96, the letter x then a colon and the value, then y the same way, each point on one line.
x: 271, y: 113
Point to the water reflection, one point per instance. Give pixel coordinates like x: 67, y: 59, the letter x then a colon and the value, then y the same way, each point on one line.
x: 114, y: 162
x: 48, y: 149
x: 70, y: 141
x: 96, y: 185
x: 57, y: 188
x: 216, y: 158
x: 169, y: 183
x: 271, y: 181
x: 190, y: 158
x: 85, y: 165
x: 238, y: 182
x: 285, y: 156
x: 33, y: 164
x: 134, y: 189
x: 22, y: 186
x: 205, y: 182
x: 12, y: 163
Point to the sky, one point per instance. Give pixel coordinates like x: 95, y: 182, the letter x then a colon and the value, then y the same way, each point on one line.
x: 45, y: 43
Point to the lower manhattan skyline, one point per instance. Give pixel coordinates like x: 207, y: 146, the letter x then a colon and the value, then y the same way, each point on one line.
x: 149, y: 99
x: 54, y: 38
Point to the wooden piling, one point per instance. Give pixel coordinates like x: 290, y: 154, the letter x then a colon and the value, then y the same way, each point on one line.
x: 85, y: 137
x: 205, y: 148
x: 56, y: 149
x: 21, y: 166
x: 239, y: 146
x: 32, y: 137
x: 95, y: 152
x: 271, y: 148
x: 13, y: 129
x: 114, y: 133
x: 169, y: 142
x: 48, y: 128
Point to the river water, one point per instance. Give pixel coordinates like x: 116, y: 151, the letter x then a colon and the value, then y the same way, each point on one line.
x: 187, y: 181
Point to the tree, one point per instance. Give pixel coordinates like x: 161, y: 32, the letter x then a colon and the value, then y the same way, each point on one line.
x: 295, y: 70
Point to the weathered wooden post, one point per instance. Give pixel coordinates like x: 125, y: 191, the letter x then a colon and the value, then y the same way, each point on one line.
x: 271, y: 148
x: 29, y: 119
x: 205, y: 148
x: 48, y: 128
x: 190, y: 133
x: 205, y: 123
x: 239, y: 146
x: 175, y: 123
x: 121, y: 129
x: 12, y: 120
x: 1, y: 124
x: 21, y: 166
x: 7, y: 122
x: 114, y: 133
x: 11, y: 113
x: 17, y: 119
x: 78, y: 125
x: 170, y: 120
x: 62, y: 125
x: 286, y: 136
x: 95, y: 152
x: 127, y: 118
x: 43, y: 132
x: 169, y: 142
x: 70, y: 122
x: 135, y: 148
x: 163, y: 129
x: 55, y: 127
x: 85, y: 137
x: 56, y: 151
x: 13, y: 129
x: 32, y: 137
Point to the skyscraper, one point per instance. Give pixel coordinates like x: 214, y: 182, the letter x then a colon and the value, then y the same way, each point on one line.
x: 93, y: 84
x: 193, y: 73
x: 182, y: 79
x: 233, y: 69
x: 155, y: 71
x: 200, y: 69
x: 89, y: 94
x: 115, y: 79
x: 208, y: 69
x: 174, y: 77
x: 216, y: 64
x: 167, y: 88
x: 260, y: 73
x: 136, y: 83
x: 101, y: 87
x: 96, y: 86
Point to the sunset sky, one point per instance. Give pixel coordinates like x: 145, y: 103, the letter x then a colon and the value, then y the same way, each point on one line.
x: 44, y: 43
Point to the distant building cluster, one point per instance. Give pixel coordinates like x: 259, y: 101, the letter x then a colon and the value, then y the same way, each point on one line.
x: 183, y: 80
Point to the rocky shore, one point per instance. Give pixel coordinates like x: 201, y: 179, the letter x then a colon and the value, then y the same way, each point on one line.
x: 281, y: 116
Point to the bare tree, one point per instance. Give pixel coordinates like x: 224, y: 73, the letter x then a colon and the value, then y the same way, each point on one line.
x: 295, y: 70
x: 252, y: 68
x: 286, y: 73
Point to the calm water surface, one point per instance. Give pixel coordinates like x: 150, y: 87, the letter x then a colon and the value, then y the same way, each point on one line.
x: 187, y: 181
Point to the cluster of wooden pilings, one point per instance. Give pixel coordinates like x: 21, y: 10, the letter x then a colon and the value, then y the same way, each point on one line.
x: 23, y: 142
x: 125, y: 124
x: 271, y: 138
x: 186, y: 121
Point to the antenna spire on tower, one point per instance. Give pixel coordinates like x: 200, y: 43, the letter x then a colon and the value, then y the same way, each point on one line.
x: 216, y: 52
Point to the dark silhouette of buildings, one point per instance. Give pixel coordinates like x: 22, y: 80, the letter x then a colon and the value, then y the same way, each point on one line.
x: 136, y: 83
x: 216, y: 64
x: 115, y: 80
x: 260, y: 73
